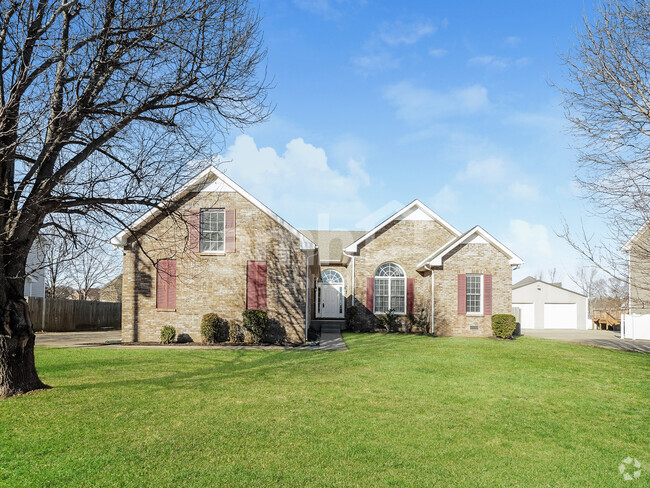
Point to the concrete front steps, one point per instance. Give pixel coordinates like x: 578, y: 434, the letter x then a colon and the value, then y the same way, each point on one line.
x: 330, y: 334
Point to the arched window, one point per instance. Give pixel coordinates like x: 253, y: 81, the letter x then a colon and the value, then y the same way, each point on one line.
x: 331, y: 276
x: 390, y: 289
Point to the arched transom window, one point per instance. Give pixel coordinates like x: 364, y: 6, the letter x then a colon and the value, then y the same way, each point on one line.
x: 331, y: 276
x: 390, y: 289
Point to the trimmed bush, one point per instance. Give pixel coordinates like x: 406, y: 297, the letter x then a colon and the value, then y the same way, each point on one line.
x: 236, y: 333
x: 420, y: 322
x: 214, y: 328
x: 389, y: 321
x: 351, y: 318
x: 256, y: 322
x: 503, y: 325
x: 167, y: 334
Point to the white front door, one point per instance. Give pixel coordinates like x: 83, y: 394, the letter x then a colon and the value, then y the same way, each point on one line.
x: 330, y: 304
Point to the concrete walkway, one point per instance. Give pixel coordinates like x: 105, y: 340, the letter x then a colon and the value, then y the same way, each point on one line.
x: 330, y: 336
x: 599, y: 338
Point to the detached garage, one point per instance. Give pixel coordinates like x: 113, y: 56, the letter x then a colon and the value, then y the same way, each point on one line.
x: 548, y: 305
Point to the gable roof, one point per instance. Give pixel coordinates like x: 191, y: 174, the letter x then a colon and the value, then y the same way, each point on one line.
x: 435, y: 259
x: 413, y: 206
x: 332, y: 242
x: 209, y: 175
x: 529, y: 280
x: 628, y: 245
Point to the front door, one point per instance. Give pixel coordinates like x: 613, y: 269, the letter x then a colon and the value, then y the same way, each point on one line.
x: 331, y: 301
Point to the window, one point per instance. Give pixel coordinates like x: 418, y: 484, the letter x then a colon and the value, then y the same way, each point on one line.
x: 473, y: 297
x: 390, y: 289
x: 332, y: 277
x: 213, y: 227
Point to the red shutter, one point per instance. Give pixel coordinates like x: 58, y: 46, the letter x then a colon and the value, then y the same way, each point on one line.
x: 161, y: 284
x: 171, y: 283
x: 256, y: 285
x: 487, y: 294
x: 194, y: 225
x: 410, y: 292
x: 166, y: 283
x: 370, y: 294
x: 462, y: 290
x: 230, y: 230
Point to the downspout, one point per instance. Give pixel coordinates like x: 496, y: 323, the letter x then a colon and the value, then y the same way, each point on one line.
x: 427, y: 266
x: 353, y: 279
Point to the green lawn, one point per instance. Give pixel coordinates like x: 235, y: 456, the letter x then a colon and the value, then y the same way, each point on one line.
x: 392, y: 411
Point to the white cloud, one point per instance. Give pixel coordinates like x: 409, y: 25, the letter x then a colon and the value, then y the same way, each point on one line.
x: 328, y: 9
x: 376, y: 61
x: 416, y: 104
x: 530, y: 242
x: 524, y: 191
x: 405, y: 33
x: 445, y: 201
x: 512, y: 41
x: 487, y: 171
x: 496, y: 62
x: 437, y: 53
x: 300, y: 183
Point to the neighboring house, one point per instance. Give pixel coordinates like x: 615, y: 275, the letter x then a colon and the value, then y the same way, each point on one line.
x: 35, y: 279
x: 112, y: 291
x: 549, y: 306
x: 232, y: 253
x: 638, y: 253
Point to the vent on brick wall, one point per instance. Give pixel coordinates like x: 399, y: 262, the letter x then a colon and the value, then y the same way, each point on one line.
x: 473, y: 327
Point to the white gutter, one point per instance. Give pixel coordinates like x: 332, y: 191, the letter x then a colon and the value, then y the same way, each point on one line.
x: 308, y: 258
x: 427, y: 266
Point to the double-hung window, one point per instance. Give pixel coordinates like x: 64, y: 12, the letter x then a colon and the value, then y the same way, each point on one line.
x: 390, y: 289
x: 213, y: 230
x: 474, y: 294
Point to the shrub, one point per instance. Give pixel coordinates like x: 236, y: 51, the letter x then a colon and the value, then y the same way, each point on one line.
x: 503, y: 325
x: 167, y: 334
x: 214, y: 328
x: 255, y: 322
x: 389, y: 321
x: 236, y: 333
x: 420, y: 322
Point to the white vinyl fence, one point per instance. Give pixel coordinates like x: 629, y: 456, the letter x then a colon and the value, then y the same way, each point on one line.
x: 635, y: 326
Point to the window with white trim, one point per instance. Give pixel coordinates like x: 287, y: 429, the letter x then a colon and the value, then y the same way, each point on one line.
x: 474, y: 294
x: 390, y: 289
x: 213, y: 230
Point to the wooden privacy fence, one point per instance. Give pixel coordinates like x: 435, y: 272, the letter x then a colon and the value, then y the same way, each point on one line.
x: 69, y: 315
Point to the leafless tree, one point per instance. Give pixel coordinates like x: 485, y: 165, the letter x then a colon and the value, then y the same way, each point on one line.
x: 92, y: 267
x: 550, y: 275
x: 607, y: 102
x: 101, y: 103
x: 589, y: 281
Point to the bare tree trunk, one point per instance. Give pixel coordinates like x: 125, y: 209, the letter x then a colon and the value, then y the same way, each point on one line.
x: 17, y: 367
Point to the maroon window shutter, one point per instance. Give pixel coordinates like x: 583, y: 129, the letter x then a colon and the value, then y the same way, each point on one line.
x: 231, y: 225
x: 462, y: 291
x: 161, y: 284
x: 487, y: 294
x: 370, y: 294
x: 261, y: 285
x: 410, y: 292
x: 256, y: 285
x: 195, y: 230
x: 171, y: 283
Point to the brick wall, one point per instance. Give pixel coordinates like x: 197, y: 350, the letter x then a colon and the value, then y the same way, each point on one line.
x: 471, y: 259
x: 214, y: 283
x: 407, y: 243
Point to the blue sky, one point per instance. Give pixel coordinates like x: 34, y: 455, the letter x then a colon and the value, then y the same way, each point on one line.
x: 380, y: 103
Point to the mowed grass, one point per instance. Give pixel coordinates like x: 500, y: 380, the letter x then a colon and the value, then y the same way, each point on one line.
x: 394, y: 410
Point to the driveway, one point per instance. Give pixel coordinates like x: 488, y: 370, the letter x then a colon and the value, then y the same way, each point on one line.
x: 599, y: 338
x: 77, y: 339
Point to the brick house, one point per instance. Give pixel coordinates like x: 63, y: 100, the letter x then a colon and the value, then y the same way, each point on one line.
x: 231, y: 253
x: 637, y: 249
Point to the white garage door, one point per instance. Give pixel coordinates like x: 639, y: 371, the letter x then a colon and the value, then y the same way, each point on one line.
x: 527, y: 314
x: 560, y: 316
